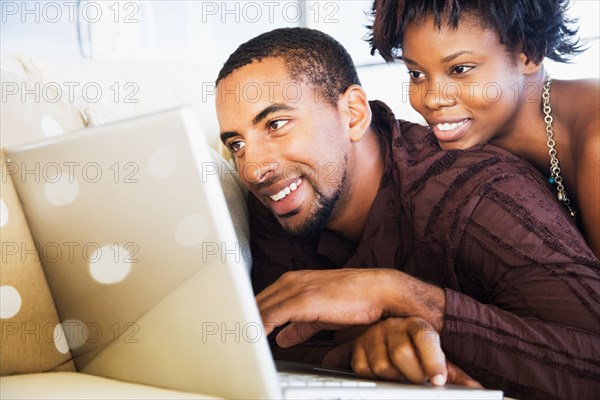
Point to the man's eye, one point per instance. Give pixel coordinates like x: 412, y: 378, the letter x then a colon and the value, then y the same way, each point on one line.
x: 236, y: 145
x: 277, y: 124
x: 416, y: 74
x: 461, y: 69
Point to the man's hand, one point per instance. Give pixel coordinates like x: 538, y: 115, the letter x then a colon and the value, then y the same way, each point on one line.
x: 410, y: 348
x: 333, y: 299
x: 320, y: 300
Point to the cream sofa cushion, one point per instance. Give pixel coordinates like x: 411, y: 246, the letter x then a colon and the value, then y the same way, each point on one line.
x: 31, y: 107
x: 78, y: 386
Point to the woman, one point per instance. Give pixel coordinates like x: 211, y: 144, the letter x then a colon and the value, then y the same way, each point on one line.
x: 477, y: 76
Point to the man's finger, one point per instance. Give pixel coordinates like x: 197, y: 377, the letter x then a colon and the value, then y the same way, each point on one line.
x: 379, y: 359
x: 457, y: 376
x: 275, y: 287
x: 404, y: 356
x: 432, y: 358
x: 360, y: 362
x: 278, y: 310
x: 296, y: 333
x: 287, y: 287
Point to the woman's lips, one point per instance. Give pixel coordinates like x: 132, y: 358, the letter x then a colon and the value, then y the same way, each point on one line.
x: 451, y: 131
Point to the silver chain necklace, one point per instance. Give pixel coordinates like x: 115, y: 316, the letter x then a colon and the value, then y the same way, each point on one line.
x: 555, y: 177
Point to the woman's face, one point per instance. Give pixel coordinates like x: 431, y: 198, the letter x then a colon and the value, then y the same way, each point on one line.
x: 463, y: 82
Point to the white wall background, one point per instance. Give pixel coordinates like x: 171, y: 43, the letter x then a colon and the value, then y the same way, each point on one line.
x: 206, y: 32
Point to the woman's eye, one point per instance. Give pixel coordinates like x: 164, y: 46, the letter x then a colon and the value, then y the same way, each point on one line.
x: 277, y: 124
x: 416, y: 74
x: 236, y: 145
x: 461, y: 69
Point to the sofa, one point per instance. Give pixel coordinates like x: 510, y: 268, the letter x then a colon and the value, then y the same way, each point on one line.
x: 43, y: 98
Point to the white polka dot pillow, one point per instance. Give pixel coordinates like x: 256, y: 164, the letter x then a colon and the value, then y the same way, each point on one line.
x: 32, y: 337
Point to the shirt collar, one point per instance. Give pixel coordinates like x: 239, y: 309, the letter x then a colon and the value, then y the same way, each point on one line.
x: 340, y: 250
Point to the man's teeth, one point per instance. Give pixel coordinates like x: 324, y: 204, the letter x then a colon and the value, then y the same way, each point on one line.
x: 285, y: 191
x: 449, y: 126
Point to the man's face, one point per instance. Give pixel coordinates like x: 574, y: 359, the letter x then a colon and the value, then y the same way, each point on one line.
x: 290, y: 146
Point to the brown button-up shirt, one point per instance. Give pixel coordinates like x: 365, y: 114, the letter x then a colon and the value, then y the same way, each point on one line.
x: 522, y: 287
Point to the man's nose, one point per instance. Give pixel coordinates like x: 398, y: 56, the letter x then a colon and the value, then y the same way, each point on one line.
x: 259, y: 163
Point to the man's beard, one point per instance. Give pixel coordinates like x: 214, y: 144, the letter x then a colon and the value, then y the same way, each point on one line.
x: 324, y: 206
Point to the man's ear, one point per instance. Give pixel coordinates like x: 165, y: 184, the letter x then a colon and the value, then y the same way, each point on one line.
x: 356, y: 105
x: 529, y: 66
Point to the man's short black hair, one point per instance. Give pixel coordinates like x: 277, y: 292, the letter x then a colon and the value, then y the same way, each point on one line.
x: 536, y: 28
x: 310, y: 56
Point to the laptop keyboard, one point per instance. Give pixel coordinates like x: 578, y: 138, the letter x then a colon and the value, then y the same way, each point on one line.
x: 298, y: 379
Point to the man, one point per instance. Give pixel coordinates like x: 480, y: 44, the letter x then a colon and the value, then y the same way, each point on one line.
x: 395, y: 254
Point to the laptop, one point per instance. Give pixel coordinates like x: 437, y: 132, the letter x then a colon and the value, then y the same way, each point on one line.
x: 147, y: 273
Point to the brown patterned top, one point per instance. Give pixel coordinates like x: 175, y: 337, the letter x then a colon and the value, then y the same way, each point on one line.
x: 522, y: 287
